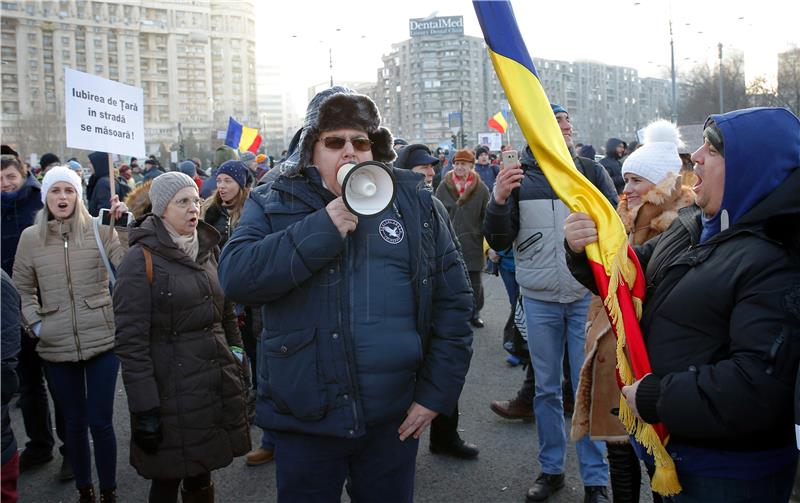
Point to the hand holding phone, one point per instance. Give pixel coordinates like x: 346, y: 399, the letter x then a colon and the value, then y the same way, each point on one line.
x: 123, y: 221
x: 510, y: 158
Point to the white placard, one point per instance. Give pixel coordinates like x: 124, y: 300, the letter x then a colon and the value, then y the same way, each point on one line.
x: 493, y: 140
x: 103, y: 114
x: 173, y: 156
x: 221, y: 135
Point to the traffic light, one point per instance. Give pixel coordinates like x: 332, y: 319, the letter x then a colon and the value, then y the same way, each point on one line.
x: 455, y: 141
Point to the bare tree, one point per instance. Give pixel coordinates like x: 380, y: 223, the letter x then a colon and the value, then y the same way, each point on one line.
x: 789, y: 80
x: 703, y: 90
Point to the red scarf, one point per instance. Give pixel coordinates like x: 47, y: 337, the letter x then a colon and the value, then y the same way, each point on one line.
x: 461, y: 185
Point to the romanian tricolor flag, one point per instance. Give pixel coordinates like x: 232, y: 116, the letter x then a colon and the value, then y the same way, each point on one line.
x: 498, y: 122
x: 242, y: 138
x: 616, y: 270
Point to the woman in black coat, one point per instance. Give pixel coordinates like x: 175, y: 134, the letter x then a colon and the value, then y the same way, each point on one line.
x: 180, y: 349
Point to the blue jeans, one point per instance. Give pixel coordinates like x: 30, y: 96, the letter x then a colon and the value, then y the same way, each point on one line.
x: 267, y: 439
x: 512, y: 288
x: 85, y: 393
x: 551, y: 326
x: 378, y: 466
x: 776, y: 488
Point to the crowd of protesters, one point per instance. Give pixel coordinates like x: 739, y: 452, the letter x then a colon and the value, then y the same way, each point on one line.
x: 353, y: 334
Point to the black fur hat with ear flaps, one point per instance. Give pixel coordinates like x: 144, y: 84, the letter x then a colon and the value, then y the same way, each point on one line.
x: 339, y: 108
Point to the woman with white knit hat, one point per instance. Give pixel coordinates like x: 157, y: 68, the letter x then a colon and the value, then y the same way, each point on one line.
x: 63, y: 283
x: 653, y: 191
x: 650, y: 201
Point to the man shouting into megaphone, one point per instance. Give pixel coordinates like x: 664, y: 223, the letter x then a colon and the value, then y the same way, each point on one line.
x: 366, y: 318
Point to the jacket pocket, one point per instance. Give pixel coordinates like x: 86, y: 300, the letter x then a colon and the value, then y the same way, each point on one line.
x: 102, y: 302
x: 47, y: 310
x: 294, y: 382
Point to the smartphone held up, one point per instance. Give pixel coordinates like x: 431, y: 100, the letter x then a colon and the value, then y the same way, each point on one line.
x: 123, y: 221
x: 510, y: 158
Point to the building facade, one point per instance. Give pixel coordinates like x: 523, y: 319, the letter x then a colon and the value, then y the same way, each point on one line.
x: 439, y: 72
x: 195, y: 62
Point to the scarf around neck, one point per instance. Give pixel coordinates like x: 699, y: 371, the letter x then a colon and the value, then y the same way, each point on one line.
x: 189, y: 245
x: 461, y: 184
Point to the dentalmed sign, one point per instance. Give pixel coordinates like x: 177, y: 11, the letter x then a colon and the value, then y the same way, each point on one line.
x: 103, y: 114
x: 423, y: 27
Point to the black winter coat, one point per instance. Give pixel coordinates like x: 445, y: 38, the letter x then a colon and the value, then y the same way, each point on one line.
x: 173, y: 340
x: 721, y: 323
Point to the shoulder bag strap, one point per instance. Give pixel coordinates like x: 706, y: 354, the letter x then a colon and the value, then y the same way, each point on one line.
x: 102, y: 250
x: 148, y: 264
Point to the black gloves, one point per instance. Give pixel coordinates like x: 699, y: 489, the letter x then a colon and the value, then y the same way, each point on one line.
x: 147, y: 430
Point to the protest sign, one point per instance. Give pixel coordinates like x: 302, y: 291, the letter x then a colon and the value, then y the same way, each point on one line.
x: 103, y: 115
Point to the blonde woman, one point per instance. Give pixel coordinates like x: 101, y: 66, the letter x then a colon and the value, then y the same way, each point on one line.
x: 63, y: 283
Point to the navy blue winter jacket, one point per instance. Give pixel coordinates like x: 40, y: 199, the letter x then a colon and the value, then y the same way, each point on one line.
x: 287, y: 254
x: 19, y: 212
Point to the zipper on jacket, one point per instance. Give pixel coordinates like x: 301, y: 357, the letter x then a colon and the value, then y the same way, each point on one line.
x: 345, y: 338
x: 71, y: 296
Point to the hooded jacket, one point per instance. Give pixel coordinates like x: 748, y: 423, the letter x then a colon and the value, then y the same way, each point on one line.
x: 19, y: 210
x: 532, y: 220
x: 721, y: 318
x: 309, y: 382
x: 613, y: 164
x: 99, y: 188
x: 173, y: 338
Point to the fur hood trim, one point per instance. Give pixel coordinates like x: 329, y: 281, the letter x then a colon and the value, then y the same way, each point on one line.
x: 659, y: 207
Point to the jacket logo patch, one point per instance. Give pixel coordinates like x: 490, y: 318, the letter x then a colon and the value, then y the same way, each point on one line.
x: 391, y: 231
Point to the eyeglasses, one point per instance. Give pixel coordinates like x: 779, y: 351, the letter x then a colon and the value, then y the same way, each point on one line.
x: 186, y: 201
x: 337, y: 143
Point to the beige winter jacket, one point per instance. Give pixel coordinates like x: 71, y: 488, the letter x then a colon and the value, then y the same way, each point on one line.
x: 65, y: 287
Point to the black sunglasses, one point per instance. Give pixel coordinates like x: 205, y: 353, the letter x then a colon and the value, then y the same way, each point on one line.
x: 337, y: 143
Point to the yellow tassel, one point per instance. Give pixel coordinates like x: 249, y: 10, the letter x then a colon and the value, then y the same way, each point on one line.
x: 637, y: 306
x: 665, y: 481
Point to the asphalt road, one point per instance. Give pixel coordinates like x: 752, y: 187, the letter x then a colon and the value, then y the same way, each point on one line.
x: 503, y: 472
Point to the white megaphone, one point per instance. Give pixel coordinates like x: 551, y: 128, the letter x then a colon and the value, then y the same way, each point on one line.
x: 367, y: 188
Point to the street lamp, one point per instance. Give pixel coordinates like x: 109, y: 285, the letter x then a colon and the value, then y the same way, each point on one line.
x: 672, y: 71
x: 721, y: 98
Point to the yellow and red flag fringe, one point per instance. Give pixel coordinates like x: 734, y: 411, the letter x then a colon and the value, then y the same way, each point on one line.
x: 617, y: 272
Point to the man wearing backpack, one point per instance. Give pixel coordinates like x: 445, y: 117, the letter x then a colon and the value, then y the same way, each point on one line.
x: 525, y: 211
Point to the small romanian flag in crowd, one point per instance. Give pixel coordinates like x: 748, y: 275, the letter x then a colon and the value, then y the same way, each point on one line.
x: 498, y: 122
x: 242, y: 138
x: 616, y: 270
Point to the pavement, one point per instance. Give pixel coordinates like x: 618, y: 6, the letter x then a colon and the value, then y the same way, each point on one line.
x: 503, y: 472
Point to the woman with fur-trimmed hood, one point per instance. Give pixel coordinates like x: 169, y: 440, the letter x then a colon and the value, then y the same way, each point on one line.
x: 650, y: 201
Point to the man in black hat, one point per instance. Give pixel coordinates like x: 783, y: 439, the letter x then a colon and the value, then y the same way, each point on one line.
x: 366, y: 335
x: 398, y: 144
x: 417, y: 158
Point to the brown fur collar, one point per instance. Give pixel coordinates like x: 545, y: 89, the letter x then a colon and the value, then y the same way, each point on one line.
x: 659, y: 208
x: 138, y: 201
x: 451, y: 186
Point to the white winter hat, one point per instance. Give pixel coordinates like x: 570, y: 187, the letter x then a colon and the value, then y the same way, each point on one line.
x: 60, y: 174
x: 659, y: 154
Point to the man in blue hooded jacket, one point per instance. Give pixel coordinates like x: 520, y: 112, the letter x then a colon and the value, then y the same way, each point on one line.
x: 366, y: 336
x: 721, y: 318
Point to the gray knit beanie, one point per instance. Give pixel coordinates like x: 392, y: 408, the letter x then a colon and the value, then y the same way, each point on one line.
x: 164, y: 188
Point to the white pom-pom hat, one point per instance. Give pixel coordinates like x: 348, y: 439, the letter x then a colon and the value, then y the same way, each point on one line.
x: 659, y: 154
